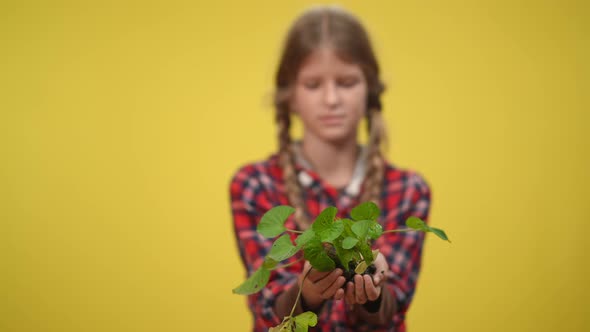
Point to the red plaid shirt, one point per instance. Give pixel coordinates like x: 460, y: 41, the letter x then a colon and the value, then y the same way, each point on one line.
x: 257, y: 187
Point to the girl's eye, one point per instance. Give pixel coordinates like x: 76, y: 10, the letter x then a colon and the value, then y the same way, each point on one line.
x: 311, y: 85
x: 348, y: 83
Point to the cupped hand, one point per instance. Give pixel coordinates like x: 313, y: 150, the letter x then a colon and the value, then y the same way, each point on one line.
x: 320, y: 286
x: 366, y: 287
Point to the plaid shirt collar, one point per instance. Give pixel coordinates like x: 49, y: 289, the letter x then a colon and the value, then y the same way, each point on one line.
x: 308, y: 177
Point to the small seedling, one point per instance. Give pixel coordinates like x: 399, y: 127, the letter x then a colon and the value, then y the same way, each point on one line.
x: 328, y: 244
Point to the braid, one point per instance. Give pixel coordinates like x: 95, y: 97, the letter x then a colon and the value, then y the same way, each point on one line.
x: 376, y: 168
x: 287, y: 162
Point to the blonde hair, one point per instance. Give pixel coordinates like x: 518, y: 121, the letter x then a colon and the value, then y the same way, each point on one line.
x: 346, y: 35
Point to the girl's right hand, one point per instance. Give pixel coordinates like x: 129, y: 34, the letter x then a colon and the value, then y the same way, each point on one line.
x: 320, y: 286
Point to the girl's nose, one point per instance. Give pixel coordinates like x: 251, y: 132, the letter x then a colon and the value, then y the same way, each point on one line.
x: 331, y: 95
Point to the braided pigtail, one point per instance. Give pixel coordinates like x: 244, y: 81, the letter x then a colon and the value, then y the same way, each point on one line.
x: 377, y: 135
x: 287, y: 162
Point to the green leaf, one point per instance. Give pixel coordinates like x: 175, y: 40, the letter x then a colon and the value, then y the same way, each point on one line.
x: 325, y: 226
x: 349, y: 242
x: 347, y: 227
x: 440, y: 233
x: 325, y: 219
x: 366, y: 251
x: 361, y: 267
x: 361, y: 228
x: 365, y: 211
x: 272, y: 222
x: 285, y: 326
x: 282, y: 248
x: 416, y: 223
x: 375, y: 230
x: 304, y: 320
x: 316, y: 255
x: 328, y: 235
x: 256, y: 282
x: 302, y: 239
x: 269, y: 263
x: 344, y: 255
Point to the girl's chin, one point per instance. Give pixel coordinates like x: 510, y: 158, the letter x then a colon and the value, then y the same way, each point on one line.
x: 338, y: 137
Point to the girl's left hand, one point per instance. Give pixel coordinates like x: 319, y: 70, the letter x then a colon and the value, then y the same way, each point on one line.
x: 365, y: 287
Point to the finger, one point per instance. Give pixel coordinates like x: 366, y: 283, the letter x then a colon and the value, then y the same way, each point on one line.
x: 331, y: 291
x: 328, y: 280
x: 349, y: 296
x: 376, y: 278
x: 370, y: 289
x: 306, y: 267
x: 359, y: 289
x: 380, y: 263
x: 339, y: 294
x: 316, y: 275
x: 379, y: 278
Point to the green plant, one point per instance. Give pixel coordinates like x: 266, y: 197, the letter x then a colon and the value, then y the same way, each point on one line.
x: 327, y: 244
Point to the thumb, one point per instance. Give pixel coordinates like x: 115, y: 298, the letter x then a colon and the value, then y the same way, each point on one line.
x: 306, y: 268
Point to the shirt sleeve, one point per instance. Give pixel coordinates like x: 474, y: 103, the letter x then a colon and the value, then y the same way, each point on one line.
x: 249, y: 201
x: 403, y: 251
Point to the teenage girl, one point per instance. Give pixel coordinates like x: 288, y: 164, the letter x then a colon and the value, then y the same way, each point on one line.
x: 328, y: 76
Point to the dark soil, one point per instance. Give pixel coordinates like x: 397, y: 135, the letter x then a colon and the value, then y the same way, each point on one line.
x: 349, y: 273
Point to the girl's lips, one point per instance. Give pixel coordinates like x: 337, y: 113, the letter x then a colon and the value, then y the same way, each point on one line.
x: 331, y: 119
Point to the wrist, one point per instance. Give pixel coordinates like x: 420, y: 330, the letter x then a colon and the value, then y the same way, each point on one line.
x: 373, y: 306
x: 310, y: 303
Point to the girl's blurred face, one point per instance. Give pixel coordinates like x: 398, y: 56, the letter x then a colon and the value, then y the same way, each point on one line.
x: 330, y: 96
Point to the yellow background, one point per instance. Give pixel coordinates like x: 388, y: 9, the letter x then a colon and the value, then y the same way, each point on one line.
x: 121, y: 124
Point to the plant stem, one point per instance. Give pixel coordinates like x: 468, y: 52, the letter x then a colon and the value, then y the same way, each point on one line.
x: 288, y: 264
x: 299, y: 293
x: 294, y: 231
x: 399, y: 230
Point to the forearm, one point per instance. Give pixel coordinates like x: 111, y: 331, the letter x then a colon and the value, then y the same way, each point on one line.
x: 385, y: 313
x: 285, y: 301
